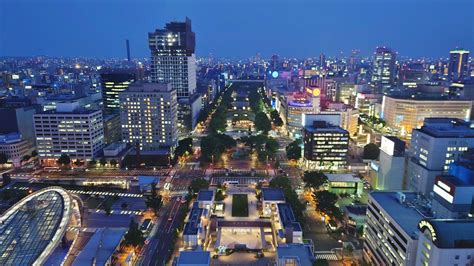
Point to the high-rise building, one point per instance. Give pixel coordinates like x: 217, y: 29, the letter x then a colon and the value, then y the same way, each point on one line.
x: 458, y: 68
x: 383, y: 72
x: 325, y: 146
x: 148, y: 115
x: 391, y: 232
x: 112, y: 83
x: 173, y: 61
x: 403, y: 114
x: 391, y: 166
x: 70, y: 130
x: 298, y: 104
x: 434, y: 146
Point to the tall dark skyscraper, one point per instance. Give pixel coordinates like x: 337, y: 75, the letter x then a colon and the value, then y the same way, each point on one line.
x: 458, y: 67
x: 383, y: 72
x: 128, y: 50
x: 172, y: 57
x: 113, y: 82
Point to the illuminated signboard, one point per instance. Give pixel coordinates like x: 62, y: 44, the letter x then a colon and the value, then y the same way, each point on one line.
x: 314, y: 92
x: 275, y: 74
x: 423, y: 224
x: 387, y: 146
x: 300, y: 104
x: 14, y: 76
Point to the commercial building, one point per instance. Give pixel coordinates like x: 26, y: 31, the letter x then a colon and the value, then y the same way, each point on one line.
x: 391, y: 231
x: 18, y: 120
x: 434, y: 146
x: 349, y: 116
x: 383, y: 72
x: 69, y: 130
x: 355, y: 217
x: 195, y: 230
x: 37, y: 225
x: 14, y: 147
x: 101, y: 247
x: 148, y: 116
x: 298, y: 104
x: 173, y: 61
x: 458, y: 67
x: 205, y: 199
x: 325, y: 146
x: 390, y: 172
x: 113, y: 82
x: 345, y: 183
x: 368, y: 103
x: 403, y: 114
x: 445, y: 242
x: 288, y: 229
x: 112, y: 128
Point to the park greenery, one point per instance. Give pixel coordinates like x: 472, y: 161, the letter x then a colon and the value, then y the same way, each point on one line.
x: 326, y: 203
x: 154, y: 201
x: 240, y: 206
x: 213, y: 146
x: 262, y: 123
x: 314, y: 179
x: 266, y: 147
x: 184, y: 148
x: 293, y: 150
x: 276, y: 119
x: 197, y: 185
x: 290, y: 195
x: 3, y: 158
x: 134, y: 236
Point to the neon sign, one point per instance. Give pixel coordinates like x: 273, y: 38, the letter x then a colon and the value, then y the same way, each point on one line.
x: 426, y: 225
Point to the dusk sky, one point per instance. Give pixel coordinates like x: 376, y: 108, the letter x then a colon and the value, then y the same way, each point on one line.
x: 230, y: 28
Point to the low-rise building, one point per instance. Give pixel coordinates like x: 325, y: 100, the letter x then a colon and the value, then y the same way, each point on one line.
x: 205, y: 199
x: 194, y: 258
x: 345, y: 183
x: 288, y: 229
x: 270, y: 198
x: 295, y: 254
x: 194, y: 233
x: 14, y: 147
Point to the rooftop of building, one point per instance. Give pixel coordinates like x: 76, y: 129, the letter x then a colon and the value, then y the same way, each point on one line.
x: 287, y: 217
x: 300, y: 252
x: 322, y: 126
x: 192, y: 226
x: 147, y: 87
x: 10, y: 138
x: 452, y: 233
x: 205, y: 195
x: 273, y: 194
x: 447, y: 127
x: 407, y: 213
x: 342, y: 178
x: 457, y: 181
x: 41, y: 214
x: 358, y: 210
x: 100, y: 247
x: 194, y: 258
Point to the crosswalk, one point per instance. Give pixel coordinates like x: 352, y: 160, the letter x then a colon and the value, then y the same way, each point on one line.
x: 98, y: 193
x: 325, y: 255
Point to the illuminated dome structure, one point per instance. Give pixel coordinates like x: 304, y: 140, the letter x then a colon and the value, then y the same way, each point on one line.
x: 32, y: 229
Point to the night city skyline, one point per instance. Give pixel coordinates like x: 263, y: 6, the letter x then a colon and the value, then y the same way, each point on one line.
x: 237, y: 29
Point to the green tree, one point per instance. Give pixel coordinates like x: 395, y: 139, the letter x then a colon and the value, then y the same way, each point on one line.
x: 34, y: 153
x: 26, y: 158
x: 314, y: 179
x: 262, y: 122
x: 102, y: 161
x: 185, y: 147
x: 326, y: 202
x: 154, y: 201
x: 113, y: 162
x: 134, y: 236
x: 320, y: 262
x: 64, y: 160
x: 198, y: 184
x: 272, y: 146
x: 371, y: 151
x: 293, y: 150
x: 92, y: 162
x: 276, y: 119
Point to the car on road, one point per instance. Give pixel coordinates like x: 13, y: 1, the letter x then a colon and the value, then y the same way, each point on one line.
x: 170, y: 218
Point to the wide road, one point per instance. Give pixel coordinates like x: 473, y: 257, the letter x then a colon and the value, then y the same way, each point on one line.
x: 160, y: 244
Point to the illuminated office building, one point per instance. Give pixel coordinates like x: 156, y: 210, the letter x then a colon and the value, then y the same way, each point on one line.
x: 390, y: 168
x: 113, y: 82
x: 458, y: 68
x: 299, y: 103
x: 403, y: 114
x: 148, y: 115
x: 173, y: 61
x: 437, y: 144
x: 325, y: 146
x: 383, y: 72
x: 70, y: 130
